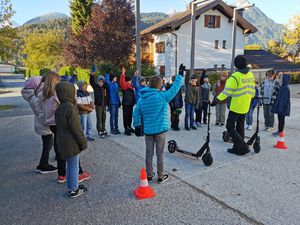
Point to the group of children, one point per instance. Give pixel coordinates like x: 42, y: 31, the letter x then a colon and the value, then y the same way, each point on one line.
x: 61, y: 110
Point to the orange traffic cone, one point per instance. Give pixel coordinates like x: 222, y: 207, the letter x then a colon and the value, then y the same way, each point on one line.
x: 280, y: 142
x: 143, y: 190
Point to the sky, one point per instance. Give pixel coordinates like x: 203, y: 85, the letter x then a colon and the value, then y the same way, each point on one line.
x: 278, y: 10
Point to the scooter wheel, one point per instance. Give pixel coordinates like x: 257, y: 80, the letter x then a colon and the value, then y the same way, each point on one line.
x: 172, y: 146
x: 256, y: 147
x: 226, y: 136
x: 207, y: 159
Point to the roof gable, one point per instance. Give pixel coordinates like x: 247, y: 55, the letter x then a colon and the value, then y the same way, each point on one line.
x: 174, y: 22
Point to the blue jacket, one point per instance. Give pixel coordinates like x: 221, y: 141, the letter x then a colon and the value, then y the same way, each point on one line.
x: 113, y: 89
x: 153, y: 108
x: 282, y: 104
x: 137, y: 87
x: 254, y: 100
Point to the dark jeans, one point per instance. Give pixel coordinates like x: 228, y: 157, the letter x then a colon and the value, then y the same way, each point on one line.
x: 101, y: 117
x: 174, y: 119
x: 61, y: 163
x: 269, y: 116
x: 198, y: 114
x: 249, y: 116
x: 203, y: 110
x: 47, y: 145
x: 281, y: 121
x: 114, y: 114
x: 127, y: 116
x: 235, y: 127
x: 189, y: 114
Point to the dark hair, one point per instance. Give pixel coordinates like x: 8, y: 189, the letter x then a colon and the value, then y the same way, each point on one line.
x: 240, y: 62
x: 155, y: 81
x: 128, y: 78
x: 203, y: 74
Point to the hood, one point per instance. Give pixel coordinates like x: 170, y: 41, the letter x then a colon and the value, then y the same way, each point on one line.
x: 148, y: 92
x: 286, y: 79
x: 33, y: 82
x: 65, y: 92
x: 244, y: 70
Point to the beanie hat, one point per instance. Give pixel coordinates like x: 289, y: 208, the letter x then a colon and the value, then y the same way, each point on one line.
x: 80, y: 83
x: 94, y: 69
x: 128, y: 78
x: 142, y: 79
x: 240, y: 62
x: 100, y: 77
x: 193, y: 77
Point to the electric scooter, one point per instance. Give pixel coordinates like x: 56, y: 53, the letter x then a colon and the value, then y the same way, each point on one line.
x: 206, y: 157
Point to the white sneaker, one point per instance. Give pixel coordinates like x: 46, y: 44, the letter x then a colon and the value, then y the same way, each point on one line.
x: 264, y: 129
x: 270, y: 129
x: 199, y: 124
x: 247, y: 127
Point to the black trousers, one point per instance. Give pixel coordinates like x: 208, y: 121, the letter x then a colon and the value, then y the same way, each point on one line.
x: 235, y: 127
x: 47, y: 145
x: 203, y: 110
x: 127, y: 116
x: 61, y: 163
x: 281, y: 122
x: 198, y: 114
x: 174, y: 119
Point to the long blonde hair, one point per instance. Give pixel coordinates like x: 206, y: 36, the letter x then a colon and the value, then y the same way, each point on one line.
x: 49, y: 84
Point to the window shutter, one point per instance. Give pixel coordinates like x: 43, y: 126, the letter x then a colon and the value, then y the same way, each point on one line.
x: 206, y: 20
x: 218, y: 21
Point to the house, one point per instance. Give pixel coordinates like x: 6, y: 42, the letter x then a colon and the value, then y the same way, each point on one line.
x: 171, y: 38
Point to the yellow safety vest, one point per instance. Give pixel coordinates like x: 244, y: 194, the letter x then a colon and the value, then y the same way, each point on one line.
x: 241, y: 88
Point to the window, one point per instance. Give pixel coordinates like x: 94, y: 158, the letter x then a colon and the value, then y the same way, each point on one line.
x: 216, y: 66
x: 162, y: 70
x: 216, y: 44
x: 160, y: 47
x: 212, y: 21
x: 224, y: 44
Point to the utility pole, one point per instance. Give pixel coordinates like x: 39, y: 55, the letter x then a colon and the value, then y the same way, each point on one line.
x: 137, y: 37
x: 233, y: 42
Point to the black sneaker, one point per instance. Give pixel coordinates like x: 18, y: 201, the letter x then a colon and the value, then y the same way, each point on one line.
x: 193, y: 128
x: 105, y: 133
x: 131, y: 130
x: 100, y: 133
x: 90, y: 139
x: 233, y: 151
x: 81, y: 190
x: 164, y: 178
x: 187, y: 128
x: 127, y: 132
x: 218, y: 124
x: 151, y: 178
x: 47, y: 169
x: 221, y: 124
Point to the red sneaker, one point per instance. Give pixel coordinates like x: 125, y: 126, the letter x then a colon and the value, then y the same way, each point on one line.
x: 84, y: 176
x: 61, y: 179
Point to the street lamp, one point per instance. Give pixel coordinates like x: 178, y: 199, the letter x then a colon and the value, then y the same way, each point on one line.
x: 137, y: 37
x: 234, y: 20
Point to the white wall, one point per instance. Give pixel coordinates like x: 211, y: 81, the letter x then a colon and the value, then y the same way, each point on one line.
x: 206, y: 56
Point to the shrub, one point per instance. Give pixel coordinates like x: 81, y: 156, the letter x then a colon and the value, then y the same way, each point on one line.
x: 83, y: 74
x: 295, y: 77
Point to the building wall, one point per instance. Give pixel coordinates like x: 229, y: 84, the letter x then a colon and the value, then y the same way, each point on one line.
x: 206, y: 56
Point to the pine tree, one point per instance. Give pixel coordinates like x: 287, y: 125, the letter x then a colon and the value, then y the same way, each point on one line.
x: 80, y: 13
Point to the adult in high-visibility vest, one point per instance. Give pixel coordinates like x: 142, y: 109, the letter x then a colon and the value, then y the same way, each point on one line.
x: 240, y: 86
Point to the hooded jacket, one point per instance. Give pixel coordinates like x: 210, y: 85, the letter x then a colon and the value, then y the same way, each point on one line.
x: 153, y: 108
x: 113, y: 88
x: 128, y: 92
x: 282, y: 104
x: 33, y: 97
x: 100, y: 93
x: 70, y: 138
x: 137, y: 87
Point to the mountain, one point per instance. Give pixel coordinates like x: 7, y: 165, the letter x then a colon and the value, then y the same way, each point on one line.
x: 148, y: 19
x: 267, y: 29
x: 47, y: 17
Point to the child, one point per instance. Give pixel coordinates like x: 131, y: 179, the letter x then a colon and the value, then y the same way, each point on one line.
x: 153, y: 108
x: 269, y: 89
x: 128, y: 101
x: 176, y: 105
x: 282, y: 104
x: 101, y: 101
x: 191, y: 101
x: 85, y: 107
x: 221, y: 107
x: 205, y: 90
x: 114, y: 102
x: 138, y: 84
x: 70, y: 138
x: 253, y: 104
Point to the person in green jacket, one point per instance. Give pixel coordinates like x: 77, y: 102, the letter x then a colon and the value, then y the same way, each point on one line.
x: 240, y: 86
x: 70, y: 138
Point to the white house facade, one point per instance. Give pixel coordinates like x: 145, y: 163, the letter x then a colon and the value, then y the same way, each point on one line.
x: 213, y: 39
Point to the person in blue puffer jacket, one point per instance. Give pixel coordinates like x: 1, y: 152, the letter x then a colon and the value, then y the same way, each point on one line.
x: 282, y: 104
x: 114, y: 102
x: 152, y: 107
x: 139, y: 83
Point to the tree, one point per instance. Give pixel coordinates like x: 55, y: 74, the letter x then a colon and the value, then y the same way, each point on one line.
x: 8, y: 35
x: 278, y: 48
x: 292, y: 35
x: 107, y: 37
x: 43, y: 50
x: 80, y: 13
